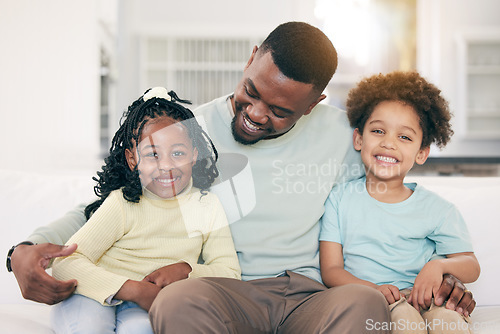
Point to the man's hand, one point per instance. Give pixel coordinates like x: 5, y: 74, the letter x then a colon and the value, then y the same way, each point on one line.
x: 459, y: 298
x: 28, y: 264
x: 169, y: 274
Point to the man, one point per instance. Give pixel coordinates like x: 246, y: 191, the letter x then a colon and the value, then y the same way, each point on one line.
x: 297, y: 149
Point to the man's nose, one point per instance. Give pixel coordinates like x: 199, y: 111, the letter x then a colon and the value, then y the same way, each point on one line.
x: 258, y: 113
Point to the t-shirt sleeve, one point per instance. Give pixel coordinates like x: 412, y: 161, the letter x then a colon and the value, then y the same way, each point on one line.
x: 451, y: 236
x: 330, y: 222
x: 59, y: 231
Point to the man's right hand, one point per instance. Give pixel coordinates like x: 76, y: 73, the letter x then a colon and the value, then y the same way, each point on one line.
x: 28, y: 264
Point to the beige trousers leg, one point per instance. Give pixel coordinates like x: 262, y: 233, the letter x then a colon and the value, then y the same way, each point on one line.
x: 290, y: 304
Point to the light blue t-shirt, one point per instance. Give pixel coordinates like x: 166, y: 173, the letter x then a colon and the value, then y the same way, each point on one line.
x: 390, y: 243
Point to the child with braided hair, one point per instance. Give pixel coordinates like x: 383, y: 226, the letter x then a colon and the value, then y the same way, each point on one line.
x: 152, y: 222
x: 384, y: 233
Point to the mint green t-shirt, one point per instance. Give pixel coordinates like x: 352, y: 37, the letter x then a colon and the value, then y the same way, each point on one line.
x: 291, y: 177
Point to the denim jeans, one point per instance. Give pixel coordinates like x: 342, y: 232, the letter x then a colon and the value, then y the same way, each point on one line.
x: 79, y: 314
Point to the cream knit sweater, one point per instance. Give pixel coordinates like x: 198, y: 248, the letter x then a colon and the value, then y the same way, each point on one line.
x: 124, y: 240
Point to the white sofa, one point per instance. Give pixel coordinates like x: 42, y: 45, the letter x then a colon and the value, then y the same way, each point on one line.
x: 29, y: 200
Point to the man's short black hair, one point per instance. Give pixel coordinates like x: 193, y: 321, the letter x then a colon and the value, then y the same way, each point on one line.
x: 303, y: 53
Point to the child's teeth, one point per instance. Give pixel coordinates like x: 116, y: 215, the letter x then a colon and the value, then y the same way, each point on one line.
x: 386, y: 159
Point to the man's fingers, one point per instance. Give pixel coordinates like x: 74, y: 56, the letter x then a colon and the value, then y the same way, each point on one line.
x: 445, y: 289
x: 466, y: 304
x: 47, y: 289
x: 455, y: 297
x: 53, y: 251
x: 470, y: 308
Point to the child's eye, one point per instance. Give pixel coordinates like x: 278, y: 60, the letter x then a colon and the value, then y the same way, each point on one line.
x: 405, y: 138
x: 178, y: 153
x: 378, y: 131
x: 151, y: 155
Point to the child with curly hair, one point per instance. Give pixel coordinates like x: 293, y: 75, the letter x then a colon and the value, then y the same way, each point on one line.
x: 381, y: 232
x: 152, y: 222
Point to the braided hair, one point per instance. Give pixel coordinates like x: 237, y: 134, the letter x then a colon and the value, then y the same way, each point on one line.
x: 116, y: 172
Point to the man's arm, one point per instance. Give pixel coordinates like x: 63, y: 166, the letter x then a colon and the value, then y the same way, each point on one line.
x: 28, y: 262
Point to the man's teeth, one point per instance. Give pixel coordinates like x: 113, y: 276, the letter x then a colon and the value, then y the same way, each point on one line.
x: 250, y: 125
x: 386, y: 159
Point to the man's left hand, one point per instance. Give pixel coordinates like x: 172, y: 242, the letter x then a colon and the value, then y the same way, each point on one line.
x: 459, y: 298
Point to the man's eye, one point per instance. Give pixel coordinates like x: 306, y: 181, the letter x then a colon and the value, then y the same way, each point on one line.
x: 278, y: 115
x: 250, y: 94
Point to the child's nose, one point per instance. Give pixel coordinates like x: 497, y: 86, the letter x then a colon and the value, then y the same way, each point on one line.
x: 388, y: 143
x: 165, y: 163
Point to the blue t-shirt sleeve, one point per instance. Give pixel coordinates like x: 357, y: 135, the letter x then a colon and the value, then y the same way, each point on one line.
x: 330, y: 222
x: 451, y: 236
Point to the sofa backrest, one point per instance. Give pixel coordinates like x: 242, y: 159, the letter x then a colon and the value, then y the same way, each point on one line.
x: 31, y: 200
x: 478, y: 199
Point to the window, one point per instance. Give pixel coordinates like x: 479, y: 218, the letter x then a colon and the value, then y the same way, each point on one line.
x: 197, y: 69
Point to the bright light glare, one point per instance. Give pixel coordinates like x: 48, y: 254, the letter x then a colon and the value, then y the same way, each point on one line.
x: 347, y: 24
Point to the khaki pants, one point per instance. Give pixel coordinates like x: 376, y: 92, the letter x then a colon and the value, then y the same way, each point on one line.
x: 436, y: 320
x: 287, y: 304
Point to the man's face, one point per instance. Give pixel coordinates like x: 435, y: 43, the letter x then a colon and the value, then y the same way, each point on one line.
x: 266, y: 103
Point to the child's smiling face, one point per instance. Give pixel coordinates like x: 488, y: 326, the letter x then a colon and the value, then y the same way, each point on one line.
x: 165, y: 156
x: 391, y: 141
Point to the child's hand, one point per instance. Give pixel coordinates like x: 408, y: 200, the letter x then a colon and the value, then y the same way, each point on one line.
x: 169, y: 274
x: 390, y: 292
x: 140, y: 292
x: 426, y: 285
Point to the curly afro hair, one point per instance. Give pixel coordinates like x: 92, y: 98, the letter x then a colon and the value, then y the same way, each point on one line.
x: 409, y: 88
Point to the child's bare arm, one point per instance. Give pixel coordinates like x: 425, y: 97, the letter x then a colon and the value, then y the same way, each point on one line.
x: 334, y: 274
x: 332, y: 266
x: 464, y: 266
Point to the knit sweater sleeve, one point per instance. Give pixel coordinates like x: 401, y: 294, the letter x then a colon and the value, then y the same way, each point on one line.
x: 218, y: 253
x: 104, y: 228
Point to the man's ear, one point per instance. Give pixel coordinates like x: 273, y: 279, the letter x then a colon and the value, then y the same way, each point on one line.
x: 312, y: 105
x: 422, y: 155
x: 357, y: 139
x: 130, y: 157
x: 252, y: 57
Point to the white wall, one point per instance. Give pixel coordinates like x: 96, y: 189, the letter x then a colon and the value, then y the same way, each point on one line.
x: 49, y: 84
x: 439, y: 22
x: 49, y: 64
x: 194, y: 18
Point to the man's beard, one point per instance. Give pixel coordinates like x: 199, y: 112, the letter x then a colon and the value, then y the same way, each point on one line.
x: 238, y: 110
x: 238, y: 138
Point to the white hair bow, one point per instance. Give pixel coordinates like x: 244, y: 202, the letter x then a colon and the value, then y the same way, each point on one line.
x: 158, y: 92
